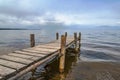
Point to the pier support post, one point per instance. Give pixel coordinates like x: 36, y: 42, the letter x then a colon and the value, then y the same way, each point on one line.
x: 62, y: 54
x: 79, y: 38
x: 75, y: 38
x: 65, y: 34
x: 32, y: 40
x: 57, y: 36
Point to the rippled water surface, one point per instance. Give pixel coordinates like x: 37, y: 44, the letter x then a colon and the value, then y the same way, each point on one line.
x: 97, y: 45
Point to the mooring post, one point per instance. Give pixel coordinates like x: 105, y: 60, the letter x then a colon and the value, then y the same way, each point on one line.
x: 62, y: 54
x: 32, y: 40
x: 65, y: 34
x: 75, y: 39
x: 79, y: 38
x: 57, y: 36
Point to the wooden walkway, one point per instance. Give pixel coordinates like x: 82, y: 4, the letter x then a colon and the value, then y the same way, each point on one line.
x: 18, y: 63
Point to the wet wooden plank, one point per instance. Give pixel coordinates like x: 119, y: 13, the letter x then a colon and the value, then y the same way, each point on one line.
x: 11, y: 64
x: 5, y: 71
x: 31, y: 54
x: 16, y: 59
x: 23, y: 56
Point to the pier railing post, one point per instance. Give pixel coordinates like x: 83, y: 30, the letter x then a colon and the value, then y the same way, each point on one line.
x: 57, y: 36
x: 32, y: 40
x: 75, y: 39
x: 62, y: 54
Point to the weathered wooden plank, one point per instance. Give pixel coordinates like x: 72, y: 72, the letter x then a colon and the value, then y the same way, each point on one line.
x: 55, y: 43
x: 31, y: 54
x: 16, y: 59
x: 33, y: 66
x: 20, y: 55
x: 23, y: 56
x: 36, y: 51
x: 5, y: 71
x: 52, y: 45
x: 11, y: 64
x: 69, y: 43
x: 42, y: 49
x: 36, y: 58
x: 47, y: 47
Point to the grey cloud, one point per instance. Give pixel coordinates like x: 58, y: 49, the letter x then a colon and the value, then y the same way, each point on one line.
x: 18, y: 12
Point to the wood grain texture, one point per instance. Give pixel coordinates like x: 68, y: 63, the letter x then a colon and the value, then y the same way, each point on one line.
x: 5, y: 71
x: 11, y: 64
x: 32, y: 54
x: 23, y: 56
x: 16, y: 59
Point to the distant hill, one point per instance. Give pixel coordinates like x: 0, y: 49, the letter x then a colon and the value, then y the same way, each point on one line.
x: 108, y: 27
x: 13, y: 29
x: 52, y: 26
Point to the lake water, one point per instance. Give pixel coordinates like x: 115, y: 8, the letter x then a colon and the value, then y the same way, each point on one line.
x: 97, y: 44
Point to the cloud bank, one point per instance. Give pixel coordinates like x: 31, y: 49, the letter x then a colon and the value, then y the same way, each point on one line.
x: 41, y: 12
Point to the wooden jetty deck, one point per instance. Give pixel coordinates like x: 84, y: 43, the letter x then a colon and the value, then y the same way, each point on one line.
x: 17, y: 63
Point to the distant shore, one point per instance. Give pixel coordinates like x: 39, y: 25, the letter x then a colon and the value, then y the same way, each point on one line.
x: 17, y: 29
x: 13, y: 29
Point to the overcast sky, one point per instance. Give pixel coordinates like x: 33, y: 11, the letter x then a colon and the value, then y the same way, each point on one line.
x: 67, y: 12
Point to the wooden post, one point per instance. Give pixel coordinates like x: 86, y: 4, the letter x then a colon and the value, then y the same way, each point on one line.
x: 32, y: 40
x: 57, y: 36
x: 75, y: 38
x: 62, y: 53
x: 65, y: 34
x: 79, y: 39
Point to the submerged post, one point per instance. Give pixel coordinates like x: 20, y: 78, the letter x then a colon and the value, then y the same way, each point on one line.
x: 62, y: 54
x: 75, y: 39
x: 57, y: 36
x: 32, y: 40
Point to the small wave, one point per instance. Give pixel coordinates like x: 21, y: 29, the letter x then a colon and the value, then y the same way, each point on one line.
x: 93, y: 54
x: 109, y: 43
x: 101, y: 46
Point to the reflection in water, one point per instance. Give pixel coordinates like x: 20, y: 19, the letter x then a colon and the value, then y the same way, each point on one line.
x: 51, y: 70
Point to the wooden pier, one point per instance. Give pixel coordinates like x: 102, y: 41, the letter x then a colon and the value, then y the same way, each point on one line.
x: 18, y: 63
